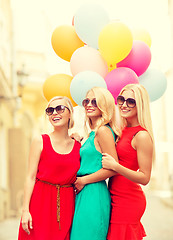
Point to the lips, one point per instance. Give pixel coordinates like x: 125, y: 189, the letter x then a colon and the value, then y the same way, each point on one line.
x: 123, y: 110
x: 89, y: 110
x: 56, y: 119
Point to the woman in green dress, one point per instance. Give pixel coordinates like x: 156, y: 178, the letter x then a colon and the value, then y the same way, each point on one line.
x: 92, y: 205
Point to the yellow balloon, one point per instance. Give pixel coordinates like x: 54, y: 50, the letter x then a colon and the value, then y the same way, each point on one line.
x: 58, y: 85
x: 111, y: 67
x: 115, y: 42
x: 142, y: 35
x: 65, y: 41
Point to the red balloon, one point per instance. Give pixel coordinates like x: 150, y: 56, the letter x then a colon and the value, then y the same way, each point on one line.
x: 138, y: 59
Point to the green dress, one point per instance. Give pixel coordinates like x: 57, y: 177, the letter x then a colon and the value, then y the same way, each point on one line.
x: 92, y: 204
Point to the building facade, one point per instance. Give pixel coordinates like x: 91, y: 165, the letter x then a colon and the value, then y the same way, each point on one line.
x: 21, y: 105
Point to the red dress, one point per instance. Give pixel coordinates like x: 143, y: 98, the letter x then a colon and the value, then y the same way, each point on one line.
x: 127, y: 198
x: 53, y: 168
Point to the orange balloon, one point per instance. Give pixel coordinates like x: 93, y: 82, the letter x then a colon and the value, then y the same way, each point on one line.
x: 65, y: 41
x: 58, y: 85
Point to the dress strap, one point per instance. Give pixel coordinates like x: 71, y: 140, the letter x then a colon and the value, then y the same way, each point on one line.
x: 111, y: 131
x: 92, y: 133
x: 136, y: 130
x: 132, y: 131
x: 46, y: 142
x: 58, y: 186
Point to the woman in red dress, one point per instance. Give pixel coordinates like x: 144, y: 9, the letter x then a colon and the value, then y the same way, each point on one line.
x: 135, y: 152
x: 49, y: 195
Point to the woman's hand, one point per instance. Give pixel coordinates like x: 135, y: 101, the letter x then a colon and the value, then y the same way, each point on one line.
x: 109, y: 162
x: 26, y: 222
x: 79, y: 184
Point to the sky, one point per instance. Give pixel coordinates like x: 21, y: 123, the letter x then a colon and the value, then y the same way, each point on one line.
x: 35, y: 21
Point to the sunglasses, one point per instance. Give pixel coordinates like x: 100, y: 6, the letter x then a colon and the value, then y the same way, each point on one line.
x: 59, y: 109
x: 86, y: 101
x: 131, y: 102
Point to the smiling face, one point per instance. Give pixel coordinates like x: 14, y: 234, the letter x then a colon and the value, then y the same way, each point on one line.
x: 130, y: 114
x: 90, y: 110
x: 59, y: 119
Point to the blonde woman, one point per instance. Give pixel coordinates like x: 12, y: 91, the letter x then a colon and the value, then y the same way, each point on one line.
x: 49, y: 195
x: 92, y: 206
x: 135, y: 151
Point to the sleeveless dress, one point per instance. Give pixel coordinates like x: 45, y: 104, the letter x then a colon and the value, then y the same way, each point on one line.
x: 92, y: 204
x: 128, y: 201
x: 59, y: 169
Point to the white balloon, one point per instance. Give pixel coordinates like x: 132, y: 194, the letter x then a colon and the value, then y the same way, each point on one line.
x: 155, y: 83
x: 89, y: 21
x: 83, y: 82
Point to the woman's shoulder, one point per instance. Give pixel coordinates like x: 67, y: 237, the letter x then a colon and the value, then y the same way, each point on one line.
x: 143, y: 140
x: 143, y: 136
x: 37, y: 142
x: 103, y: 129
x: 104, y: 132
x: 38, y: 138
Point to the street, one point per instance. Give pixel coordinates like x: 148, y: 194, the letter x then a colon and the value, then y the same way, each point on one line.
x: 157, y: 221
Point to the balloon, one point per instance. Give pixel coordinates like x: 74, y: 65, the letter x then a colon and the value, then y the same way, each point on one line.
x: 65, y: 41
x: 142, y: 35
x: 88, y: 22
x: 118, y: 78
x: 88, y: 59
x: 83, y: 82
x: 111, y: 67
x: 115, y: 42
x: 57, y: 85
x: 72, y: 21
x: 155, y: 83
x: 138, y: 59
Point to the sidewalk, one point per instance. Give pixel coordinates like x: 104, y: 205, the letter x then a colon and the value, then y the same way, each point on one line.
x: 158, y: 218
x: 157, y: 221
x: 9, y: 229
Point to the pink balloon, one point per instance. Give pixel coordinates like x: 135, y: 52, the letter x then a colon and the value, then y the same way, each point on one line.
x: 119, y: 78
x: 138, y: 59
x: 88, y: 59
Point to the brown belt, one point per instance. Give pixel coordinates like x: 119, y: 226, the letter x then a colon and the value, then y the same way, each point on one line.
x: 58, y: 197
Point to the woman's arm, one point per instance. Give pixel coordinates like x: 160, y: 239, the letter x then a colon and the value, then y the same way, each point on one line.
x: 143, y: 144
x: 104, y: 143
x: 34, y: 157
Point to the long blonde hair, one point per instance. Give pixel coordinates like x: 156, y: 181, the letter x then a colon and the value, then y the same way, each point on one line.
x: 69, y: 105
x: 106, y: 104
x: 143, y: 108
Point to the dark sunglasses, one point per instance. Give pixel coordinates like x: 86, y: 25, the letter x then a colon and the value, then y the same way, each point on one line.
x: 131, y: 102
x: 86, y: 101
x: 59, y: 109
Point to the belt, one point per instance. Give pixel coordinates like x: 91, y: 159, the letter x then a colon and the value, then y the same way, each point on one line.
x: 58, y: 186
